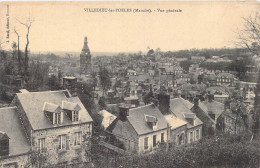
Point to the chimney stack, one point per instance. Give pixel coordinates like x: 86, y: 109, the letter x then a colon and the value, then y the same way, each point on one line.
x: 164, y: 103
x: 227, y: 104
x: 210, y: 97
x: 196, y: 102
x: 123, y: 112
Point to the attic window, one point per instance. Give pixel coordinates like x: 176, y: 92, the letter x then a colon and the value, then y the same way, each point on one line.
x: 72, y: 110
x: 4, y: 144
x: 151, y: 121
x: 53, y: 112
x: 212, y: 113
x: 190, y: 117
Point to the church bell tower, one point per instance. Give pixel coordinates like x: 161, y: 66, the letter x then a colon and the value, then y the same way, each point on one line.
x: 85, y: 58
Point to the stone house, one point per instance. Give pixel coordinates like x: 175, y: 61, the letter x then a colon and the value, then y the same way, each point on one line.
x: 225, y: 79
x: 178, y: 130
x: 181, y: 109
x: 140, y: 129
x: 231, y: 123
x: 177, y: 70
x: 55, y: 124
x: 14, y: 145
x: 201, y: 111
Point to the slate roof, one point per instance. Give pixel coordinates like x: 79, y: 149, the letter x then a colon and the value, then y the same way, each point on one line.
x: 178, y: 108
x: 3, y: 135
x: 33, y: 102
x: 54, y: 108
x: 10, y: 124
x: 137, y: 119
x: 193, y: 87
x: 225, y: 75
x: 174, y: 121
x: 214, y: 105
x: 70, y: 106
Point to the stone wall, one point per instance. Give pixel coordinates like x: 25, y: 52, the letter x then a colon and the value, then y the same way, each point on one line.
x: 193, y: 129
x: 19, y: 161
x: 150, y: 140
x: 125, y: 133
x: 72, y: 153
x: 178, y: 131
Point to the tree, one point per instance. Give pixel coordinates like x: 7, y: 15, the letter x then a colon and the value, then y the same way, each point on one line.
x: 94, y: 81
x: 18, y: 52
x: 186, y: 65
x: 200, y: 78
x: 150, y: 52
x: 102, y: 104
x: 54, y: 83
x: 256, y: 111
x: 249, y: 36
x: 84, y: 92
x: 104, y: 77
x: 27, y: 24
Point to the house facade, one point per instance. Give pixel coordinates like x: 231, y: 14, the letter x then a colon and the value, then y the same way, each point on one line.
x: 181, y: 109
x: 140, y: 129
x: 56, y: 125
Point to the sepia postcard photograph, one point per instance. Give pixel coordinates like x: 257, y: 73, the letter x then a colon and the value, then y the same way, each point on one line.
x: 128, y: 84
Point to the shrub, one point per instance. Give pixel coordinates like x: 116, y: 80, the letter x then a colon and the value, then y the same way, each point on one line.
x: 219, y: 151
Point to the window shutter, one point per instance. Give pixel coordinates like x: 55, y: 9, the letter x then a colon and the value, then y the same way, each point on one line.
x: 72, y: 115
x: 59, y: 142
x: 78, y: 116
x: 61, y: 117
x: 53, y: 118
x: 67, y: 142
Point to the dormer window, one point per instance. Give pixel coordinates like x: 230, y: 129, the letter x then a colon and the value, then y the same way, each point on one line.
x: 212, y: 113
x: 190, y: 117
x: 56, y: 118
x: 75, y: 115
x: 53, y: 112
x: 72, y: 110
x: 151, y: 121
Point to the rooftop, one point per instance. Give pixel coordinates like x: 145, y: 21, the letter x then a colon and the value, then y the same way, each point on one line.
x: 179, y: 107
x: 10, y: 124
x: 137, y: 118
x: 174, y: 121
x: 33, y: 103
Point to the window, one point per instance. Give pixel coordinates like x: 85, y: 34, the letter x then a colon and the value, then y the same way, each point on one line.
x: 191, y: 136
x: 146, y: 143
x: 62, y: 141
x: 77, y: 138
x: 178, y: 139
x: 154, y: 140
x: 75, y: 115
x: 57, y: 118
x: 162, y: 137
x: 182, y: 139
x: 41, y: 144
x: 197, y: 134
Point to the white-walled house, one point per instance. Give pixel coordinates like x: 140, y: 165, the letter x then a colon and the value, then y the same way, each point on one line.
x: 140, y: 129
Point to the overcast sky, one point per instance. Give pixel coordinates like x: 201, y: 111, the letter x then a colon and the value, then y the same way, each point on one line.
x: 61, y: 26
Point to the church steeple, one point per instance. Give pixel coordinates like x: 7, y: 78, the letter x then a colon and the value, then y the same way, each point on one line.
x: 85, y: 58
x: 85, y: 48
